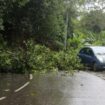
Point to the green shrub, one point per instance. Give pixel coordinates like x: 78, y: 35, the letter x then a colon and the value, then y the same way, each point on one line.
x: 5, y: 56
x: 43, y: 59
x: 18, y: 61
x: 5, y: 60
x: 38, y: 58
x: 67, y: 60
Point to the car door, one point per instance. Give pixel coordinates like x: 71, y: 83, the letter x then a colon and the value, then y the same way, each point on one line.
x: 86, y: 55
x: 82, y: 55
x: 89, y: 57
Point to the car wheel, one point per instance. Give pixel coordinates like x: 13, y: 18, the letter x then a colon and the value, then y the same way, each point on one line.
x: 94, y: 67
x: 86, y: 67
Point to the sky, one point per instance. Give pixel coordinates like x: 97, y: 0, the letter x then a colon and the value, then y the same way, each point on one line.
x: 99, y: 4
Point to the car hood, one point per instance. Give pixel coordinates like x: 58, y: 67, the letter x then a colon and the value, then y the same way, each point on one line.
x: 101, y: 58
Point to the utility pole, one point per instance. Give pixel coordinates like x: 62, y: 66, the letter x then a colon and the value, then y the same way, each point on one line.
x: 66, y: 35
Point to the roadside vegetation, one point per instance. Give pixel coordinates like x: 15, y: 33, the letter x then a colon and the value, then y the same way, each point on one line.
x: 37, y: 58
x: 46, y: 35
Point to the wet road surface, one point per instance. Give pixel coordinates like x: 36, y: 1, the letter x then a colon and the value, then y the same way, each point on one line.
x: 10, y: 82
x: 55, y: 89
x: 100, y: 74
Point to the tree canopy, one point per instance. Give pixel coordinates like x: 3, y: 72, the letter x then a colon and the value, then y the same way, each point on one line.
x: 48, y: 21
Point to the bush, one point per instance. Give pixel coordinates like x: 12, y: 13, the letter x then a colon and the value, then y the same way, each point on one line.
x: 18, y: 61
x: 43, y: 59
x: 5, y: 60
x: 67, y: 60
x: 5, y: 56
x: 37, y: 58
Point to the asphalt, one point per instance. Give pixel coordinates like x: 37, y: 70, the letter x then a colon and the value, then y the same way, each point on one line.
x: 59, y: 89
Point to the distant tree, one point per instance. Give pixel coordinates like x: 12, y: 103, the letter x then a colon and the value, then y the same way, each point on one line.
x: 1, y: 14
x: 41, y: 19
x: 48, y: 20
x: 94, y: 21
x: 9, y: 11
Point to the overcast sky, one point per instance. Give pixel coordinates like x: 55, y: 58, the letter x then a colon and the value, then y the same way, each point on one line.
x: 93, y: 6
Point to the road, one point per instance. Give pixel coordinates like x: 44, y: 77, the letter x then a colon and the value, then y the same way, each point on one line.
x: 82, y: 88
x: 100, y: 74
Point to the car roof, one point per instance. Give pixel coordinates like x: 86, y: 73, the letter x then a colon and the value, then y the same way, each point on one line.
x: 97, y: 49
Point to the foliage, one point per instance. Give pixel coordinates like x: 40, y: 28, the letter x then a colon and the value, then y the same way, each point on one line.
x: 94, y: 21
x: 49, y: 23
x: 76, y: 42
x: 90, y: 38
x: 5, y: 60
x: 42, y: 20
x: 5, y: 56
x: 42, y: 58
x: 37, y: 58
x: 67, y: 61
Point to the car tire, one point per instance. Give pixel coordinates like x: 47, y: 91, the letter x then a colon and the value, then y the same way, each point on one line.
x: 86, y: 67
x: 94, y: 67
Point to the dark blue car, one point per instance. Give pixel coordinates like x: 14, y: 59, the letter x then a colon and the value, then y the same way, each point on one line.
x: 93, y: 57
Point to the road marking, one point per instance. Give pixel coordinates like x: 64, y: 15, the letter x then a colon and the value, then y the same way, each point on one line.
x: 31, y: 76
x: 26, y: 84
x: 7, y: 90
x: 19, y: 89
x: 2, y: 98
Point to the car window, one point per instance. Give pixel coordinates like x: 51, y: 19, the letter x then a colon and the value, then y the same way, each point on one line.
x: 83, y: 51
x: 87, y: 51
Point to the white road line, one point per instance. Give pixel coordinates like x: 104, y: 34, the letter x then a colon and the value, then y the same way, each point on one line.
x: 19, y: 89
x: 7, y: 90
x: 26, y: 84
x: 31, y: 76
x: 2, y: 98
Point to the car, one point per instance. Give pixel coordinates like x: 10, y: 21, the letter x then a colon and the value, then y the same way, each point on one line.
x: 93, y: 57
